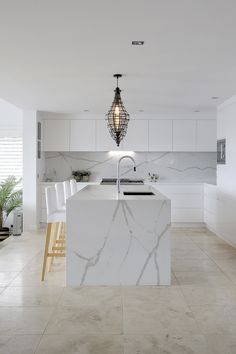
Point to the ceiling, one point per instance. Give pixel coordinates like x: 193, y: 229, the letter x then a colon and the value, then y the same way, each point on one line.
x: 60, y: 55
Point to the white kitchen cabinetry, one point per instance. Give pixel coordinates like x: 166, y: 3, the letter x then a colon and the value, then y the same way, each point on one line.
x: 206, y: 135
x: 186, y: 201
x: 136, y: 138
x: 142, y: 135
x: 160, y: 135
x: 82, y: 135
x: 56, y: 135
x: 184, y: 135
x: 104, y: 141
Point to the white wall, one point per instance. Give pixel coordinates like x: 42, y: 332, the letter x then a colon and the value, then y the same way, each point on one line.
x: 32, y: 170
x: 220, y: 201
x: 10, y: 120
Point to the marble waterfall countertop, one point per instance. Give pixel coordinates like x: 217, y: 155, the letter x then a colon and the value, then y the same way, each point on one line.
x: 109, y: 192
x: 117, y: 240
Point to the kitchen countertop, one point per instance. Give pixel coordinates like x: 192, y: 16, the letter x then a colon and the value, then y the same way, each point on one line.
x: 108, y: 192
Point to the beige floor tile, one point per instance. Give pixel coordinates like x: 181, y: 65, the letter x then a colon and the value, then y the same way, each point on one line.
x: 24, y: 320
x: 33, y: 278
x: 217, y: 279
x: 222, y: 344
x: 216, y: 319
x: 86, y: 319
x: 209, y: 295
x: 226, y: 265
x: 30, y: 296
x: 75, y: 343
x: 187, y: 253
x: 159, y: 319
x: 159, y: 344
x: 152, y: 296
x: 92, y: 296
x: 7, y: 277
x: 194, y: 265
x: 21, y: 344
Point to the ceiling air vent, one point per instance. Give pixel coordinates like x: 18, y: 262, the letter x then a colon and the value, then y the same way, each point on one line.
x: 137, y: 42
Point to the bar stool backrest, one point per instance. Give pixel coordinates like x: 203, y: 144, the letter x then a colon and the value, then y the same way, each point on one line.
x: 51, y: 200
x: 73, y: 186
x: 67, y: 190
x: 60, y: 195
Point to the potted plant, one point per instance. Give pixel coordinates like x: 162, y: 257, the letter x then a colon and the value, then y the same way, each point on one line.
x: 81, y: 175
x: 10, y: 198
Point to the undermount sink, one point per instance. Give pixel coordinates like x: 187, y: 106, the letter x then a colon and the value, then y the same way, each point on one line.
x: 138, y: 193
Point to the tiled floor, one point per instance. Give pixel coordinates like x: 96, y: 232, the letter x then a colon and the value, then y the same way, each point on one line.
x: 196, y: 315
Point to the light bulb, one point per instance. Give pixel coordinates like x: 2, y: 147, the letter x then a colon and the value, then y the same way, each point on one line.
x: 117, y: 117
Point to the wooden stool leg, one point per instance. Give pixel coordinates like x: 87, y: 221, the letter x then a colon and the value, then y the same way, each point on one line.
x: 55, y: 233
x: 47, y: 242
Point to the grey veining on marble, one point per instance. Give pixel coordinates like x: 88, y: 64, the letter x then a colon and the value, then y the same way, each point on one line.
x: 117, y: 242
x: 172, y: 166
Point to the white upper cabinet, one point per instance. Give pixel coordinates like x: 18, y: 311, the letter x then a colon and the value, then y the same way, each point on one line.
x: 82, y: 135
x: 56, y: 135
x: 160, y: 135
x: 136, y: 138
x: 184, y: 135
x: 104, y: 141
x: 206, y: 135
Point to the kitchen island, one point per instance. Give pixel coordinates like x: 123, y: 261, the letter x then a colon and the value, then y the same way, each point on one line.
x: 117, y: 239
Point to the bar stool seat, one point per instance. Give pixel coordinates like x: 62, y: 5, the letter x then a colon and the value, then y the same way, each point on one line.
x: 55, y: 235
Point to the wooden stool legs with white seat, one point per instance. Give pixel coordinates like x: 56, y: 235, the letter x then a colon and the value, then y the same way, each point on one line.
x: 55, y: 235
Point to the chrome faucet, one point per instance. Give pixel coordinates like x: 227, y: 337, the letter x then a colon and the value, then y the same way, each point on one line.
x: 118, y: 169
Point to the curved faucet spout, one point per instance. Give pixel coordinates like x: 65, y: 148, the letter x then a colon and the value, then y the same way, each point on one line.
x: 118, y: 169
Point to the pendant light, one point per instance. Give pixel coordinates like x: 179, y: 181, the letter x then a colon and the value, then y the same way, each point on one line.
x: 117, y: 118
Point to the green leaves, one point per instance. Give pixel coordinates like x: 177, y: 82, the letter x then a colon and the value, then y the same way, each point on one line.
x: 10, y: 197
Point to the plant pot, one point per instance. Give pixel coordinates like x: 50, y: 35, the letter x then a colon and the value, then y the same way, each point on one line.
x: 77, y: 178
x: 85, y: 178
x: 4, y: 233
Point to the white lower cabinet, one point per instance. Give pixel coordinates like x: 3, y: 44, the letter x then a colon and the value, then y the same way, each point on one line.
x: 186, y: 201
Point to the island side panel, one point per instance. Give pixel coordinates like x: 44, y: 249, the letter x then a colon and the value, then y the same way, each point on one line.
x: 118, y: 242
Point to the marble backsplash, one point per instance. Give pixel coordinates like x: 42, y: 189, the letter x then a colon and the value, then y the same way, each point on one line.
x: 171, y: 166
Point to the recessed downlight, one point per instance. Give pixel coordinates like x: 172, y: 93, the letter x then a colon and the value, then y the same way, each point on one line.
x: 196, y: 111
x: 141, y: 110
x: 86, y: 110
x: 137, y: 42
x: 214, y: 97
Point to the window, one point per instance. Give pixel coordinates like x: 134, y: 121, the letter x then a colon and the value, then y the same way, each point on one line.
x: 11, y: 157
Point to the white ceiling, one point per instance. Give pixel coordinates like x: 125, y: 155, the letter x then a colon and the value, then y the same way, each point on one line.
x: 60, y: 55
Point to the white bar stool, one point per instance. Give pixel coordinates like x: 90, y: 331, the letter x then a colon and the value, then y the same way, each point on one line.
x: 60, y: 194
x: 73, y: 186
x: 67, y: 190
x: 55, y: 240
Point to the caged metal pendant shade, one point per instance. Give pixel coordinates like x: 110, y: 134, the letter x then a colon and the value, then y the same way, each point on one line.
x: 117, y: 118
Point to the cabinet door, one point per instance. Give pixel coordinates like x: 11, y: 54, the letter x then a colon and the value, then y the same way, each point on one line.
x: 206, y: 135
x: 184, y: 135
x: 160, y: 135
x: 136, y: 138
x: 56, y: 135
x: 104, y: 141
x: 82, y: 135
